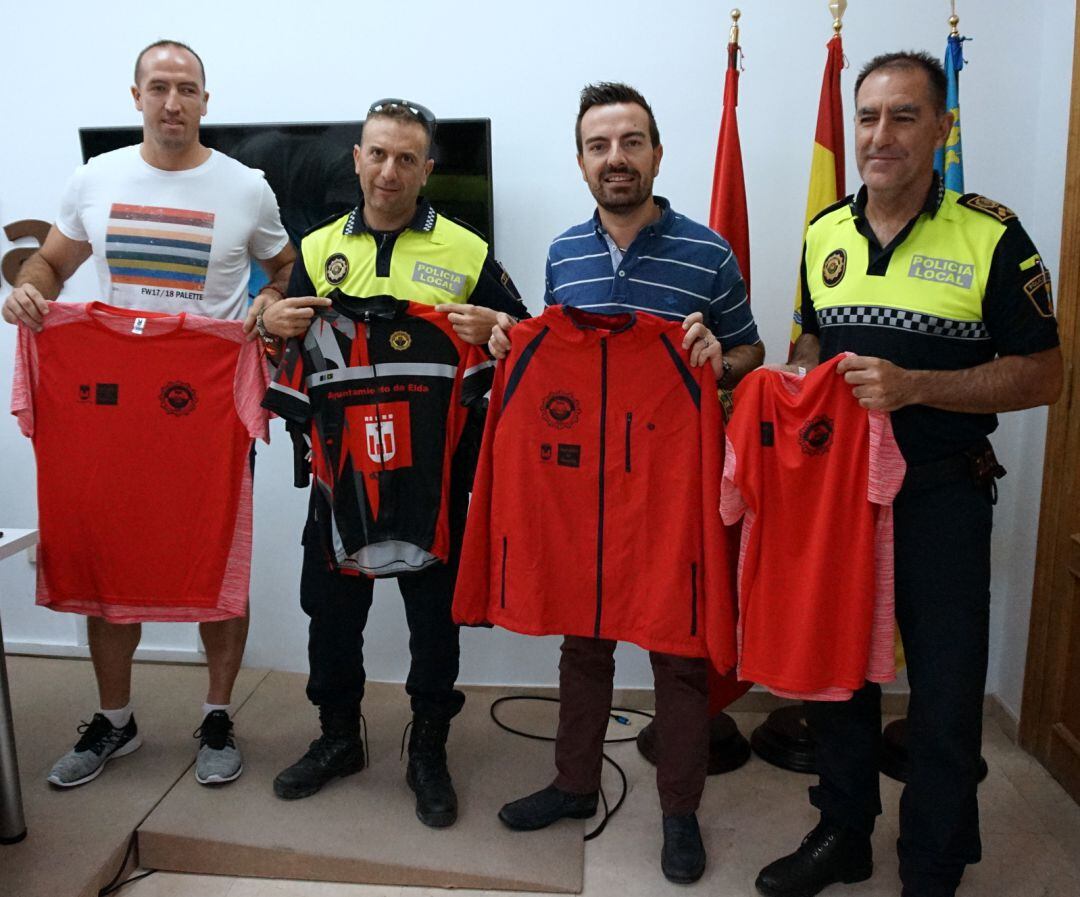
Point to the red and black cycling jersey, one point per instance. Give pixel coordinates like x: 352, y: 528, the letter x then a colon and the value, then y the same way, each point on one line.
x: 386, y: 388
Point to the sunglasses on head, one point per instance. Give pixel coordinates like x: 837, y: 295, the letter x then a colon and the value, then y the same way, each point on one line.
x: 421, y: 112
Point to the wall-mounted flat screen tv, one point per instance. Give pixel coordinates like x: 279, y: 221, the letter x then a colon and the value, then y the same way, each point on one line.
x: 310, y: 166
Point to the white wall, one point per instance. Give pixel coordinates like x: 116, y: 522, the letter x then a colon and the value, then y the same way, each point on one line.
x: 522, y: 65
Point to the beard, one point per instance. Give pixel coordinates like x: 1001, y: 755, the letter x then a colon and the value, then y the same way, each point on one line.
x: 623, y: 197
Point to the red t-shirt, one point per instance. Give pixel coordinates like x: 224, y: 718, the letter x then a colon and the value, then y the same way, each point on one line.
x: 815, y: 475
x: 142, y: 424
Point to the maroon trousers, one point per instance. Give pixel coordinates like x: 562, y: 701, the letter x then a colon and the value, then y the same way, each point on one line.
x: 586, y: 676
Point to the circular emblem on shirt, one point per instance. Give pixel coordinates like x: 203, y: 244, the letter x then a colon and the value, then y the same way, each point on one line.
x: 832, y: 272
x: 816, y: 435
x: 400, y: 340
x: 560, y: 410
x: 178, y: 398
x: 337, y: 268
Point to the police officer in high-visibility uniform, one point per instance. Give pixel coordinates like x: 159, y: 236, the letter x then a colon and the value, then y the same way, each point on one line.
x: 946, y: 304
x: 392, y: 244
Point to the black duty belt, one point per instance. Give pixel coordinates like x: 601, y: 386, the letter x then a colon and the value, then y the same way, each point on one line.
x: 979, y: 464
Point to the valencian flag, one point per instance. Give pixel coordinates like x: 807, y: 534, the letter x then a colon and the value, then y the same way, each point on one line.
x: 949, y: 161
x: 827, y: 167
x: 727, y: 212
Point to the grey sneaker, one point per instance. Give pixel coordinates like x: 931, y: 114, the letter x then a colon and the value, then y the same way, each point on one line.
x: 219, y: 759
x: 101, y: 741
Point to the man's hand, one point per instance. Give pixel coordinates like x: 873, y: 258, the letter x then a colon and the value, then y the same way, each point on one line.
x: 26, y: 305
x: 292, y: 317
x: 499, y: 341
x: 879, y: 385
x: 702, y: 344
x: 472, y: 323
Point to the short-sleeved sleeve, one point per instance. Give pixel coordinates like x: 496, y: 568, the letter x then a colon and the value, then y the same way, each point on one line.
x: 549, y: 296
x: 24, y: 379
x: 479, y: 371
x: 300, y: 283
x: 287, y: 396
x: 807, y: 318
x: 495, y: 289
x: 269, y: 237
x: 249, y: 387
x: 729, y: 317
x: 69, y: 220
x: 1018, y: 307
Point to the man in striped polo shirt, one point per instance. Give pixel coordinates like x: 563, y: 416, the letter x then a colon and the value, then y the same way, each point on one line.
x: 637, y: 254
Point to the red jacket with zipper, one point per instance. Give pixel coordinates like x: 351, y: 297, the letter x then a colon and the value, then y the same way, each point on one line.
x: 595, y: 510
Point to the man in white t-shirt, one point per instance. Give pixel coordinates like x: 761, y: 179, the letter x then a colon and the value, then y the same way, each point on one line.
x: 172, y: 226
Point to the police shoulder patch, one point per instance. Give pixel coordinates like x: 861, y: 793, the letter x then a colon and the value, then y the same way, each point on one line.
x: 987, y: 206
x: 1039, y: 291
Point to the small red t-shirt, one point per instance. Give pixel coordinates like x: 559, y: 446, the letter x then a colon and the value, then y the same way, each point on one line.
x: 815, y: 475
x: 142, y: 424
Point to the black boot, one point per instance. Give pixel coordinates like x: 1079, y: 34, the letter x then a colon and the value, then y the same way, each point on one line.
x: 827, y: 855
x: 337, y: 752
x: 427, y: 775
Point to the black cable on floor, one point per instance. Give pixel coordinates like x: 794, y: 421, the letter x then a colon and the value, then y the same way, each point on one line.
x: 115, y: 885
x: 617, y: 714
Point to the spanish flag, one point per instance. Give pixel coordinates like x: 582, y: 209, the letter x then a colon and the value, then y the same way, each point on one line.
x: 727, y: 212
x: 827, y: 167
x: 949, y: 161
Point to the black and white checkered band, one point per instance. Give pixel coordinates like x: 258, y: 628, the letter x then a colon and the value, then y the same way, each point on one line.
x: 914, y: 321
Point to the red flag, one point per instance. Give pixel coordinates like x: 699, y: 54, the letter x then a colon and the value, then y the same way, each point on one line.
x: 827, y: 165
x: 727, y: 212
x: 727, y: 216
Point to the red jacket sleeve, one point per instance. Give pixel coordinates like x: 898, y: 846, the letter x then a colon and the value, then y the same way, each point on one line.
x: 473, y: 588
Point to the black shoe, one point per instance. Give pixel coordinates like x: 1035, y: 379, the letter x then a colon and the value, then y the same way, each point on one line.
x: 683, y: 858
x: 546, y: 806
x: 427, y: 775
x: 829, y: 854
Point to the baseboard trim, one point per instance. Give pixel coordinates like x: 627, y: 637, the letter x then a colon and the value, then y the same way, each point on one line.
x: 155, y: 655
x: 994, y: 708
x: 757, y: 700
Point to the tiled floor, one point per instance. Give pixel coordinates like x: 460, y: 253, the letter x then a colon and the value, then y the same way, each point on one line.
x: 1031, y: 838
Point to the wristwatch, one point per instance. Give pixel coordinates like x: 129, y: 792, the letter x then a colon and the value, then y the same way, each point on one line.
x: 271, y: 343
x: 725, y: 377
x: 265, y: 335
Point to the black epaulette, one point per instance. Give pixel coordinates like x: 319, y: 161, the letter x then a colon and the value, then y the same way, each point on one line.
x: 460, y: 222
x: 839, y: 204
x: 329, y: 219
x: 990, y: 207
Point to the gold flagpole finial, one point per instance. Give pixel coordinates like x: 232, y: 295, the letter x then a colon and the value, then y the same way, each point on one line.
x: 954, y: 19
x: 838, y: 8
x: 733, y: 38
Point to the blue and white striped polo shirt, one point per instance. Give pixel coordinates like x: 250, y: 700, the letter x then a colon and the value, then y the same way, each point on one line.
x: 673, y: 267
